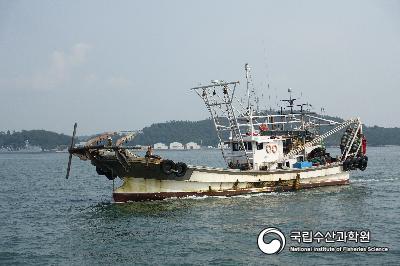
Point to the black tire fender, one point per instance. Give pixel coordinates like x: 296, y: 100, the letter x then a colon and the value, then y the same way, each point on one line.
x: 364, y: 164
x: 353, y: 163
x: 180, y: 169
x: 108, y: 173
x: 167, y: 167
x: 100, y: 171
x: 110, y: 176
x: 346, y: 165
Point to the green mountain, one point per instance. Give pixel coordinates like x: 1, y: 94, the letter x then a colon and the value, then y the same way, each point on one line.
x: 44, y: 139
x: 378, y: 136
x: 203, y: 131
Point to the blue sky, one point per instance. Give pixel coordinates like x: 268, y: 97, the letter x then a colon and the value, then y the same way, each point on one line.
x: 122, y: 65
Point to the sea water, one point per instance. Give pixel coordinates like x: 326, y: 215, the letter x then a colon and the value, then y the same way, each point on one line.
x: 46, y: 219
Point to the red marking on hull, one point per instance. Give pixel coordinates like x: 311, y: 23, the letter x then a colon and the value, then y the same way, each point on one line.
x: 125, y: 197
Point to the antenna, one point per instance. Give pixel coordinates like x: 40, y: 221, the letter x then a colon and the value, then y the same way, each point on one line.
x: 302, y: 105
x: 247, y: 69
x: 322, y: 111
x: 290, y: 100
x: 268, y: 81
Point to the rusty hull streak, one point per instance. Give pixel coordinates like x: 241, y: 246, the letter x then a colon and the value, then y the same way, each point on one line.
x: 278, y: 187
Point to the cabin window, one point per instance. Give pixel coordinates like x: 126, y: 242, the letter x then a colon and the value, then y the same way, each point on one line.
x: 287, y: 145
x: 235, y: 146
x: 260, y: 146
x: 248, y: 146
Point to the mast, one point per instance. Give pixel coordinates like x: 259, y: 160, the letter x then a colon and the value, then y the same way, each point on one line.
x: 249, y: 109
x: 247, y: 69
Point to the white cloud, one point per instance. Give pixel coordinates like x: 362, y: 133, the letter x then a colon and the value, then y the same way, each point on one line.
x: 60, y: 69
x: 64, y: 69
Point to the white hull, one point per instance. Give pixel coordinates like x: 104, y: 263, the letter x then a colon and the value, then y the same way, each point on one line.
x: 212, y: 181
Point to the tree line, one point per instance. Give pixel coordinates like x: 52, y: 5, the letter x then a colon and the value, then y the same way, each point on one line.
x: 44, y: 139
x: 201, y: 132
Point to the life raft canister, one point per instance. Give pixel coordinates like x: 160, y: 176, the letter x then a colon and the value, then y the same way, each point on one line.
x: 263, y: 127
x: 364, y: 145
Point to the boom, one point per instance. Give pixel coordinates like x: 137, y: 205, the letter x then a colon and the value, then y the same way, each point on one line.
x: 323, y: 136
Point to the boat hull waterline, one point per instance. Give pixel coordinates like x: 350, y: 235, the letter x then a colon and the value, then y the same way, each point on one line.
x: 205, y: 181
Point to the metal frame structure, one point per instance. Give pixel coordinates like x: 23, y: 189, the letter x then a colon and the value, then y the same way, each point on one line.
x: 218, y: 98
x: 229, y: 115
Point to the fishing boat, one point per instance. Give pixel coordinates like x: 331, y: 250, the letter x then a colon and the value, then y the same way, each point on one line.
x: 267, y: 151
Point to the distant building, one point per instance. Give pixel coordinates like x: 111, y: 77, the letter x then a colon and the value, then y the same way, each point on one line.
x: 192, y: 146
x: 160, y: 146
x: 176, y: 146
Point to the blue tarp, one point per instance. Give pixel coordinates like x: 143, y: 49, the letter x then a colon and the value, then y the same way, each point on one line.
x: 302, y: 165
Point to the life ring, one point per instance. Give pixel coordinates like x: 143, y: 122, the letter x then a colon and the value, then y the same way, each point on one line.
x: 274, y: 148
x: 263, y: 127
x: 268, y: 148
x: 167, y: 167
x: 250, y: 134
